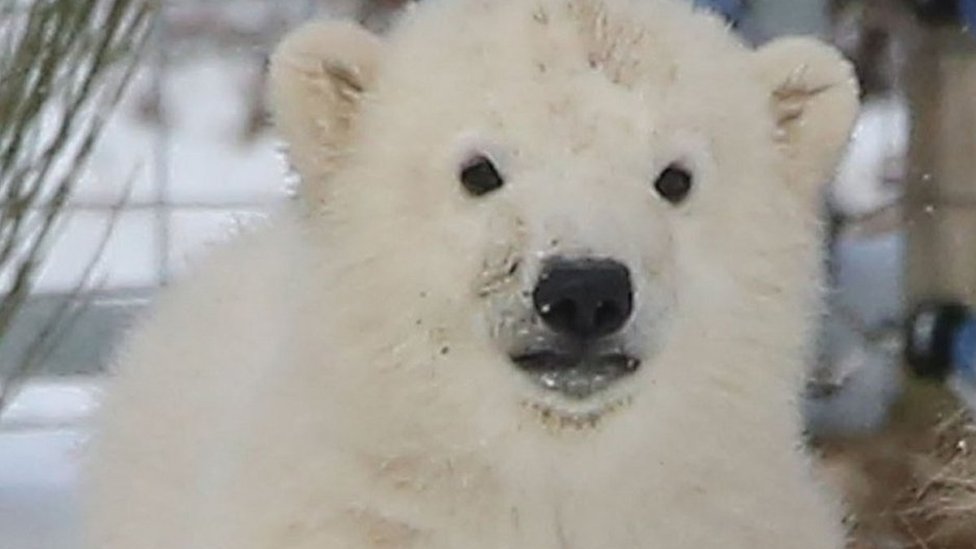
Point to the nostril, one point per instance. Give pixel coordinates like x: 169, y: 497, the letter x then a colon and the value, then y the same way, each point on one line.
x: 561, y: 314
x: 608, y: 314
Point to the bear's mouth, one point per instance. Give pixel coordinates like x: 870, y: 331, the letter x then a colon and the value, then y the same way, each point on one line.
x: 575, y: 374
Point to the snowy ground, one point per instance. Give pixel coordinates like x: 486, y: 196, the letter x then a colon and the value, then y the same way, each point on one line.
x: 40, y: 439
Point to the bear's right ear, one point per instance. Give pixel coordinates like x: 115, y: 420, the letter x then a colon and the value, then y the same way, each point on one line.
x: 319, y: 75
x: 813, y: 95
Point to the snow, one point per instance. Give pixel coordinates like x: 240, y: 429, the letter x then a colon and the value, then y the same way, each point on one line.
x: 39, y: 506
x: 50, y: 404
x: 41, y: 439
x: 193, y: 175
x: 208, y: 161
x: 128, y: 259
x: 122, y: 163
x: 871, y: 175
x: 197, y: 147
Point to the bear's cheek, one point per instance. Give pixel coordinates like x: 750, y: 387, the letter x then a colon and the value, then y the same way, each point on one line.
x: 652, y: 255
x: 500, y: 254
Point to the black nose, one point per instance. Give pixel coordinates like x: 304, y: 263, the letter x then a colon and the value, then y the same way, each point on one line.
x: 584, y: 298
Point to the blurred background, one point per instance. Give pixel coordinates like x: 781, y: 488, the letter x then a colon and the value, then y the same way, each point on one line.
x: 133, y: 135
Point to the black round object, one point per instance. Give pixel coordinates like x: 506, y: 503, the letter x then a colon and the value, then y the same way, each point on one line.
x: 584, y: 299
x: 674, y: 184
x: 930, y: 336
x: 480, y: 176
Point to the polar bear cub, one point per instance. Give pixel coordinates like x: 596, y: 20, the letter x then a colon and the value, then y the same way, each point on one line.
x: 549, y: 285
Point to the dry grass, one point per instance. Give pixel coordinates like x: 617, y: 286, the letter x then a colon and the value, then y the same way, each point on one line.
x: 912, y: 486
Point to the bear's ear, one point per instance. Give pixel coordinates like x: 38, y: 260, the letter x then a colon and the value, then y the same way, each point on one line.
x: 319, y: 75
x: 814, y: 98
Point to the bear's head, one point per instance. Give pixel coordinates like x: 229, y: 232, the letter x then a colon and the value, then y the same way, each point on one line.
x: 587, y: 203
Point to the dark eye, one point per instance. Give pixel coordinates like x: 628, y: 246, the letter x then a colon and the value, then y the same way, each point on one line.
x: 480, y: 177
x: 674, y: 184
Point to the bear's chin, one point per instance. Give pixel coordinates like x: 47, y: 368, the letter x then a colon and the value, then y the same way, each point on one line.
x: 577, y: 416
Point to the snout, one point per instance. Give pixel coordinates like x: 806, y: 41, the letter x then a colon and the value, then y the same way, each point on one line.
x: 585, y: 305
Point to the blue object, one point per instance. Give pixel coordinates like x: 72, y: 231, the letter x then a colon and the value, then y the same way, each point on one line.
x: 964, y: 350
x: 967, y: 8
x: 735, y: 10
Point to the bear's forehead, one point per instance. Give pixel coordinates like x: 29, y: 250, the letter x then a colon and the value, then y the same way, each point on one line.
x: 554, y: 59
x: 630, y: 42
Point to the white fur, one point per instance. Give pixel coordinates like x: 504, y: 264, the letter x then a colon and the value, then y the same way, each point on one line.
x: 338, y: 380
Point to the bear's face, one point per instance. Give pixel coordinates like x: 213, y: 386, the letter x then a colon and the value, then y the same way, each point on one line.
x: 605, y: 193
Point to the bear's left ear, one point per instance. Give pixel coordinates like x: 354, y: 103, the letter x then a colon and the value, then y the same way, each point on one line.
x: 814, y: 98
x: 318, y: 78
